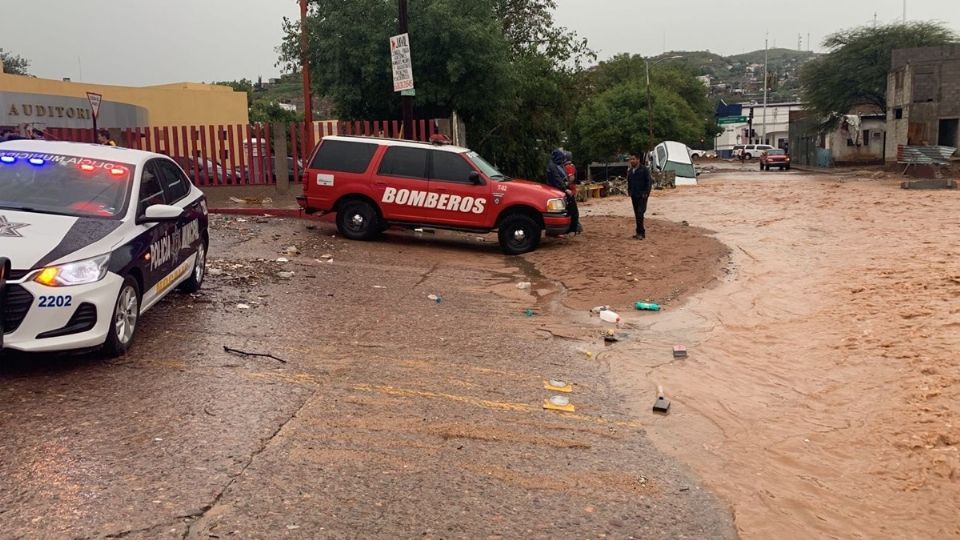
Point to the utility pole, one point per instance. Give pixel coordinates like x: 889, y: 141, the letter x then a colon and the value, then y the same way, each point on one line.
x: 766, y: 47
x: 646, y: 64
x: 406, y: 101
x: 305, y: 71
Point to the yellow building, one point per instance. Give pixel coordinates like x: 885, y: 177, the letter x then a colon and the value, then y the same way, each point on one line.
x: 45, y: 103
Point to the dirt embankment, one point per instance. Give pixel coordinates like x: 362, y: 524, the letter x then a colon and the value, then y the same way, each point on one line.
x: 606, y: 266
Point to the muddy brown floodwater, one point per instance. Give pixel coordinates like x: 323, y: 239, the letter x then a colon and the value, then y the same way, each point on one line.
x: 821, y: 396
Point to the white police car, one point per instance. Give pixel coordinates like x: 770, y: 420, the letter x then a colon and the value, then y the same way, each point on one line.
x: 95, y: 235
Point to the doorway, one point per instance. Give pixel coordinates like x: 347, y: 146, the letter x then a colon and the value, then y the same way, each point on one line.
x: 948, y: 132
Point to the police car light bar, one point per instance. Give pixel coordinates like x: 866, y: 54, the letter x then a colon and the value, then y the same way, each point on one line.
x: 8, y: 159
x: 37, y: 161
x: 117, y: 171
x: 86, y: 167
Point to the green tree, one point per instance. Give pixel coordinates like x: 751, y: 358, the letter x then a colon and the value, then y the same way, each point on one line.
x: 243, y: 85
x: 614, y: 119
x: 507, y: 77
x: 268, y: 112
x: 854, y: 71
x: 13, y: 63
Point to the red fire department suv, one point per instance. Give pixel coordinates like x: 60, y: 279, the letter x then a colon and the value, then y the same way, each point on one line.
x: 373, y: 184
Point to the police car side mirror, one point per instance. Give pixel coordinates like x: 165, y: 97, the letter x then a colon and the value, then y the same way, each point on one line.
x: 475, y: 178
x: 160, y: 213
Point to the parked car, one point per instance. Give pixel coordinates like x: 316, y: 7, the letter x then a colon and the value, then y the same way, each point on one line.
x: 674, y: 156
x: 373, y: 183
x: 96, y: 236
x: 700, y: 154
x: 774, y: 158
x: 204, y: 171
x: 751, y: 151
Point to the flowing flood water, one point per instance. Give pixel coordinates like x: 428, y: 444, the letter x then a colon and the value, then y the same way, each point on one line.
x: 821, y: 396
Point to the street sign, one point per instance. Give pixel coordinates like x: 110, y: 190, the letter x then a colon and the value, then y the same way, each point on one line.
x: 95, y: 100
x: 732, y: 120
x: 402, y: 63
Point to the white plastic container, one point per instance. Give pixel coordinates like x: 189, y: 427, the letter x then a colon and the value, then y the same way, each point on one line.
x: 609, y: 316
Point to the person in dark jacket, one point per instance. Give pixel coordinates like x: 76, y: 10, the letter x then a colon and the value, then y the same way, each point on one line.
x: 639, y: 185
x: 557, y: 178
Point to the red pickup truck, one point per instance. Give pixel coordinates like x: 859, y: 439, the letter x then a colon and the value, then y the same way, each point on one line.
x: 374, y: 183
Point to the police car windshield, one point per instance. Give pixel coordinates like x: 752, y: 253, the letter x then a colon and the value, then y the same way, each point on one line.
x: 487, y: 169
x: 65, y: 185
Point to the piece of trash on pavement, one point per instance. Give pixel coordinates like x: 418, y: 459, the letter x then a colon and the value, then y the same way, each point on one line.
x: 379, y: 287
x: 236, y: 200
x: 282, y: 260
x: 588, y: 354
x: 679, y: 351
x: 326, y: 256
x: 598, y: 309
x: 645, y: 306
x: 529, y: 312
x: 245, y: 353
x: 214, y: 272
x: 285, y: 275
x: 243, y: 306
x: 662, y: 405
x: 558, y: 403
x: 558, y: 386
x: 241, y: 220
x: 435, y: 298
x: 292, y: 250
x: 524, y: 285
x: 610, y: 316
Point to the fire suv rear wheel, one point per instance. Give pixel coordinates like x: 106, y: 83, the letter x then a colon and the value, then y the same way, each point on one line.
x: 519, y: 234
x: 358, y: 220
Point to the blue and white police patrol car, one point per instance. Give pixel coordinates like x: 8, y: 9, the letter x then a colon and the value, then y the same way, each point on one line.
x: 95, y: 235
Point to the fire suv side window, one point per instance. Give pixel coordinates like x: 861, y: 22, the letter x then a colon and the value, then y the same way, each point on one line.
x: 151, y: 192
x: 405, y: 162
x: 344, y: 156
x: 450, y: 167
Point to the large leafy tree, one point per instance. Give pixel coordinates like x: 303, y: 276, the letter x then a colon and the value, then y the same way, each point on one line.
x: 614, y: 118
x: 501, y: 64
x: 854, y: 71
x: 13, y: 63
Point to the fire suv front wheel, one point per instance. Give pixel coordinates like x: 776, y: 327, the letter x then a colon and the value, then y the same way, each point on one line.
x: 519, y: 234
x: 358, y: 220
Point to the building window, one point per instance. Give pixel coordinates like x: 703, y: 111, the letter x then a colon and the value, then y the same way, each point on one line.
x: 898, y: 113
x: 866, y: 137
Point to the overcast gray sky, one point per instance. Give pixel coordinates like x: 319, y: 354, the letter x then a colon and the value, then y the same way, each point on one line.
x: 141, y: 42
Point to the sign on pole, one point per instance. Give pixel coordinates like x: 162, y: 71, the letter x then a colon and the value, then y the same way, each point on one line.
x: 732, y: 120
x: 402, y: 63
x: 95, y: 100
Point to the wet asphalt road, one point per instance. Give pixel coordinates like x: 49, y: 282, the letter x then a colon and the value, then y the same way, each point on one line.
x: 392, y: 416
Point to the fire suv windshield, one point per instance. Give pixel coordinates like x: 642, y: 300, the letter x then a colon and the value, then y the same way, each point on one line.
x: 487, y: 169
x: 66, y: 185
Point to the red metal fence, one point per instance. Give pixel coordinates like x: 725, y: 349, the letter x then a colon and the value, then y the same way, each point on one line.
x: 231, y: 155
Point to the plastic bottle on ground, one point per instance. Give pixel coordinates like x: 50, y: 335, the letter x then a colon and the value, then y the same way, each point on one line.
x: 609, y: 316
x: 644, y: 306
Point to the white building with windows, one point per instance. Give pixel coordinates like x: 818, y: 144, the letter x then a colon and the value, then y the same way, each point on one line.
x: 770, y: 126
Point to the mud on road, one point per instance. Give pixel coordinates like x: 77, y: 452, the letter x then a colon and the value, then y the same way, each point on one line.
x: 389, y: 415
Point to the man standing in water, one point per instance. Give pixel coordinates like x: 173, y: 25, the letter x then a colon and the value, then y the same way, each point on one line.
x: 639, y: 186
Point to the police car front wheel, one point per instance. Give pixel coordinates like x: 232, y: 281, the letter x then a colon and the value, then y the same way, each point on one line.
x: 195, y: 281
x: 126, y: 313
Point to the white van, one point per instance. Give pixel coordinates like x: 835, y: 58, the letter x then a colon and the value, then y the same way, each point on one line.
x: 674, y: 156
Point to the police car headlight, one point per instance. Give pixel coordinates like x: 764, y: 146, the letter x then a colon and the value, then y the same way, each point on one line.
x: 556, y: 205
x: 75, y: 273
